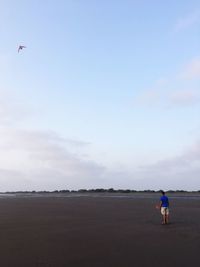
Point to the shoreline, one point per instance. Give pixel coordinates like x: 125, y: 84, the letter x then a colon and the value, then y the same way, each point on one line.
x: 185, y: 195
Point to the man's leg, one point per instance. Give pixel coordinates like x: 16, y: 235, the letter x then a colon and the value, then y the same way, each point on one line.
x: 167, y: 216
x: 163, y: 215
x: 163, y: 219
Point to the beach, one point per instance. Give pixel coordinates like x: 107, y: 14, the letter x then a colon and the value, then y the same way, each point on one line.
x: 88, y: 231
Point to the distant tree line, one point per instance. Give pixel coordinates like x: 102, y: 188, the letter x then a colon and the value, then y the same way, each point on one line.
x: 100, y: 190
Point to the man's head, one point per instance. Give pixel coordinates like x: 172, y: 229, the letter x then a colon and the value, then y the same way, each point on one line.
x: 162, y: 192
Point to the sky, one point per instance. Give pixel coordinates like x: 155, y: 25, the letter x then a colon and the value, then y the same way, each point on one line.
x: 106, y: 94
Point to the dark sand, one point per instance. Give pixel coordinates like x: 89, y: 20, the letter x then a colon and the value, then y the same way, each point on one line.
x: 97, y: 231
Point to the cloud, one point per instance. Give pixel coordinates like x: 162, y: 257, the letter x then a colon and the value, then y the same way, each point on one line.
x: 185, y: 97
x: 44, y: 160
x: 157, y: 98
x: 178, y: 91
x: 13, y: 180
x: 187, y: 21
x: 177, y: 172
x: 41, y: 160
x: 169, y: 99
x: 191, y: 70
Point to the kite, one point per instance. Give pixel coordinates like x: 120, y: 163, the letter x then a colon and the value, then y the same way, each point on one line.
x: 21, y: 47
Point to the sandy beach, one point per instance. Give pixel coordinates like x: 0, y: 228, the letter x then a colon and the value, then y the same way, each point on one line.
x: 97, y: 231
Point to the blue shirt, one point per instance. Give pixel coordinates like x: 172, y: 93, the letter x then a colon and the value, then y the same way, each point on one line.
x: 165, y: 202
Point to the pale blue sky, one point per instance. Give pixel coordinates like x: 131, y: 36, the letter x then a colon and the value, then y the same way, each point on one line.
x: 104, y: 93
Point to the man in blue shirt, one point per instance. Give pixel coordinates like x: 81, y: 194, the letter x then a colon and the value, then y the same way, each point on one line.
x: 164, y: 208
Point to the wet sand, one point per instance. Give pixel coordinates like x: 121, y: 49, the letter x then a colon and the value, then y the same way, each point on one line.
x: 97, y: 232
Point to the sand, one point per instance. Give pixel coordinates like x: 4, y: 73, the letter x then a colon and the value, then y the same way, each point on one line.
x: 97, y: 231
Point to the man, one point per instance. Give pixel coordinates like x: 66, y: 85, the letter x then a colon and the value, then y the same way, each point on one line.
x: 164, y: 208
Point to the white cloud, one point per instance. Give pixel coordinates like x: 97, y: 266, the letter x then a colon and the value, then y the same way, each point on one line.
x: 191, y: 70
x: 179, y: 91
x: 187, y: 21
x: 43, y: 161
x: 180, y: 172
x: 169, y: 98
x: 185, y: 97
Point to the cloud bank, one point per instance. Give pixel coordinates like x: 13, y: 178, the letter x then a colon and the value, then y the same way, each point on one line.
x: 179, y: 172
x: 43, y: 160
